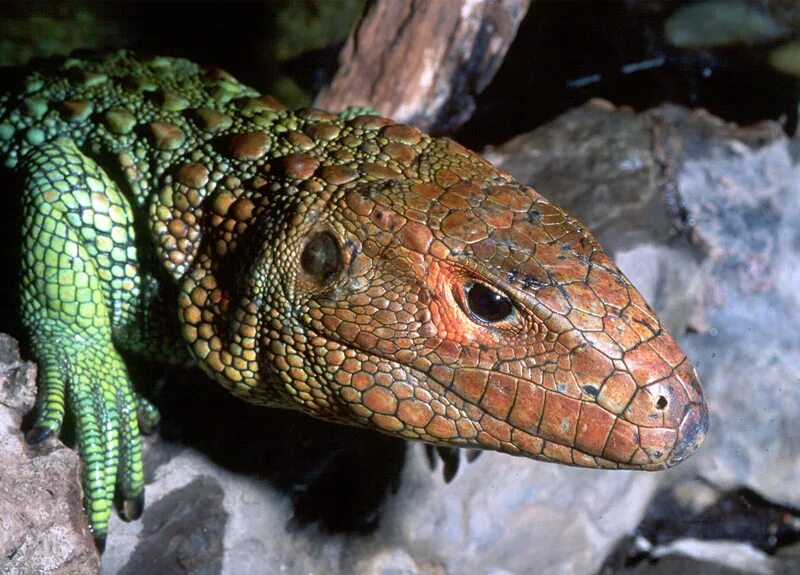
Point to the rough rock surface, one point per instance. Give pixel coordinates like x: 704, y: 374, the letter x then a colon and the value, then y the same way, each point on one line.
x: 42, y: 528
x: 740, y: 192
x: 714, y: 558
x: 702, y: 216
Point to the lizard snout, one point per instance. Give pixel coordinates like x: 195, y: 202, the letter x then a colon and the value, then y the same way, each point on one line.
x: 667, y: 418
x: 691, y: 433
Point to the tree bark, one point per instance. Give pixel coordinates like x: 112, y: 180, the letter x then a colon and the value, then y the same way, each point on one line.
x: 423, y: 61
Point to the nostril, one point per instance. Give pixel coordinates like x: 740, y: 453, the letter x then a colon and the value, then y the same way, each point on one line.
x: 661, y: 402
x: 591, y: 390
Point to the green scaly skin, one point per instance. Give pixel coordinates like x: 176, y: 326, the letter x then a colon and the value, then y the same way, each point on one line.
x: 346, y: 266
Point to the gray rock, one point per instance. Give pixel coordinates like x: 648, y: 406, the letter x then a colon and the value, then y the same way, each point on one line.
x: 709, y: 558
x: 516, y: 515
x: 183, y: 531
x: 42, y: 526
x: 740, y: 192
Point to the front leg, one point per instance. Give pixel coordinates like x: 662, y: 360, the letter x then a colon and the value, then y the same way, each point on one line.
x: 80, y: 278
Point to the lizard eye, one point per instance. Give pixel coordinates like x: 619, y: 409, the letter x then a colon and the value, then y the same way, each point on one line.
x: 322, y: 258
x: 487, y: 305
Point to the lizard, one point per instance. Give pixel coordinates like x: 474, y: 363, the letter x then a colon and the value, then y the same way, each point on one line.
x: 346, y: 266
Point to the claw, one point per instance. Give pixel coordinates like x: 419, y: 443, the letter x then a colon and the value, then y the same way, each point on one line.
x: 430, y: 455
x: 473, y: 454
x: 132, y: 508
x: 450, y: 457
x: 100, y: 542
x: 39, y: 434
x: 147, y: 427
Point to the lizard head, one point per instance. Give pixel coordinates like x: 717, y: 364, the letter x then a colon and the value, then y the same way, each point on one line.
x: 424, y: 293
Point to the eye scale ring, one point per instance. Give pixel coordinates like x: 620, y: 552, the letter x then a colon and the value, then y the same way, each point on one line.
x: 485, y: 304
x: 322, y: 258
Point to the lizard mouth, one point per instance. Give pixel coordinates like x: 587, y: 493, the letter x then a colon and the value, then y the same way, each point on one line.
x: 398, y: 398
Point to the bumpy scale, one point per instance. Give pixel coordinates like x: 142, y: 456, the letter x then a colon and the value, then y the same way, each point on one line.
x: 346, y: 266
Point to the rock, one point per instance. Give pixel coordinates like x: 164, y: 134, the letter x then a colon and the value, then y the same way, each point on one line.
x: 709, y: 558
x: 503, y: 513
x: 693, y: 526
x: 739, y: 191
x: 42, y: 526
x: 699, y: 510
x: 184, y: 530
x: 428, y: 527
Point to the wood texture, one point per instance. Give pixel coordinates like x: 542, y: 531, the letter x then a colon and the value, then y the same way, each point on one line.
x: 423, y: 61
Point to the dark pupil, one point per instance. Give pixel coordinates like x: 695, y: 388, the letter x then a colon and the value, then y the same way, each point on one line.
x: 487, y: 305
x: 321, y: 258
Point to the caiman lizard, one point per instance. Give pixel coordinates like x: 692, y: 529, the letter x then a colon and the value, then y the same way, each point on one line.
x: 346, y: 266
